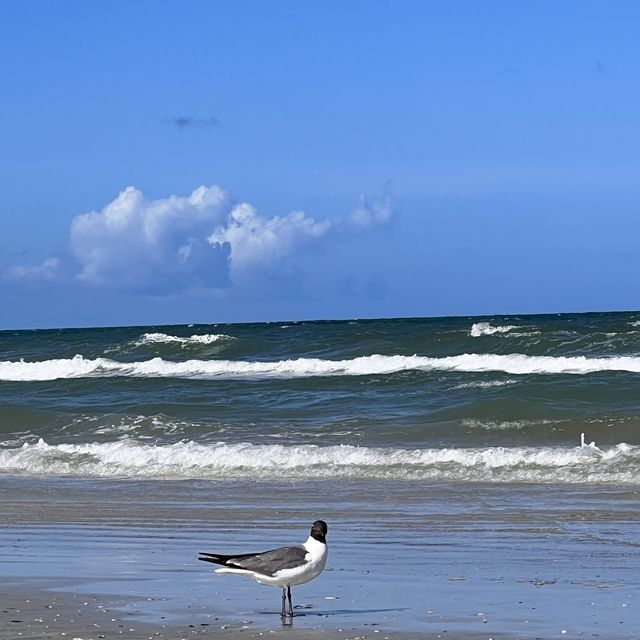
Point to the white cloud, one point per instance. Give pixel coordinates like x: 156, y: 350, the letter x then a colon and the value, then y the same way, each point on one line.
x: 46, y: 270
x: 370, y: 214
x: 204, y: 240
x: 158, y: 243
x: 257, y: 241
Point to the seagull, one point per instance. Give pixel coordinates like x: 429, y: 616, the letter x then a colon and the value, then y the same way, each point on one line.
x: 282, y: 567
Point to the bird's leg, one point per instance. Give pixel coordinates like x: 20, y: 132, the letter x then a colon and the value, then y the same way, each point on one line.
x: 290, y: 603
x: 282, y: 611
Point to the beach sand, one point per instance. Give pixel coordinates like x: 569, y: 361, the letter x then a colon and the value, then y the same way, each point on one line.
x: 82, y: 558
x: 32, y: 613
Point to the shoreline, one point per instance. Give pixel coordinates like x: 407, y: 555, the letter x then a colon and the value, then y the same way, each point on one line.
x: 406, y: 560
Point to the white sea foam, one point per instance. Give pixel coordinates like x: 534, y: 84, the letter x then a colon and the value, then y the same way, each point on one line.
x: 485, y: 329
x: 141, y: 427
x: 163, y: 338
x: 187, y: 459
x: 497, y: 425
x: 635, y: 323
x: 515, y: 364
x: 485, y: 384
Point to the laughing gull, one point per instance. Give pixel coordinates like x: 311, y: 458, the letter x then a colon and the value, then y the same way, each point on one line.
x: 283, y: 567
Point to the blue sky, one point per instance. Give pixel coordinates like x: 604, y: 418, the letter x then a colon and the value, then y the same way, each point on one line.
x: 358, y: 159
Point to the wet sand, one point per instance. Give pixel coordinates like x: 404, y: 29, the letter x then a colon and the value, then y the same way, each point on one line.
x: 29, y: 613
x: 117, y: 558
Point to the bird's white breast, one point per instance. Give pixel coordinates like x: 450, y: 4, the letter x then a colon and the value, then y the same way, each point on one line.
x: 316, y: 560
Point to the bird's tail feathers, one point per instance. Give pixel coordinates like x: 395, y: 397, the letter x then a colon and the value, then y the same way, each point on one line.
x: 217, y: 558
x: 213, y: 557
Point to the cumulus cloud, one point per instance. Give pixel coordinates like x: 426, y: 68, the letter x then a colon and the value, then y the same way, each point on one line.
x: 259, y: 242
x: 256, y: 241
x: 157, y: 244
x: 203, y: 240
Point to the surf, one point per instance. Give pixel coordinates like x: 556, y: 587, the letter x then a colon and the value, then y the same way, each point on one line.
x: 514, y: 364
x: 586, y: 463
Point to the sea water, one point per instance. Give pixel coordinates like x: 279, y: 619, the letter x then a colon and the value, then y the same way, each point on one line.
x: 491, y: 464
x: 502, y: 399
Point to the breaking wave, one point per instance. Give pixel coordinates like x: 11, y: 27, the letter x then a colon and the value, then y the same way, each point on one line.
x: 163, y: 338
x: 515, y: 364
x: 485, y: 329
x: 188, y: 459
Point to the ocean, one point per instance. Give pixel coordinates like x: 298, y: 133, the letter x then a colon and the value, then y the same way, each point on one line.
x: 477, y: 473
x: 500, y: 399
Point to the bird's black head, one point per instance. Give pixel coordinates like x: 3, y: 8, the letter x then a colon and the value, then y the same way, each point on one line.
x: 319, y: 531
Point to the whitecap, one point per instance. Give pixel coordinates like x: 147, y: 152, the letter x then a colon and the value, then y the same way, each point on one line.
x: 485, y: 329
x: 198, y: 339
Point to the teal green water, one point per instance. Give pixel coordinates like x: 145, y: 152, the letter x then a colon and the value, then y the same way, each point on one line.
x: 477, y: 399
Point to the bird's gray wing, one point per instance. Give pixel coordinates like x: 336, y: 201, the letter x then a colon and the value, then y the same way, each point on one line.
x: 270, y: 562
